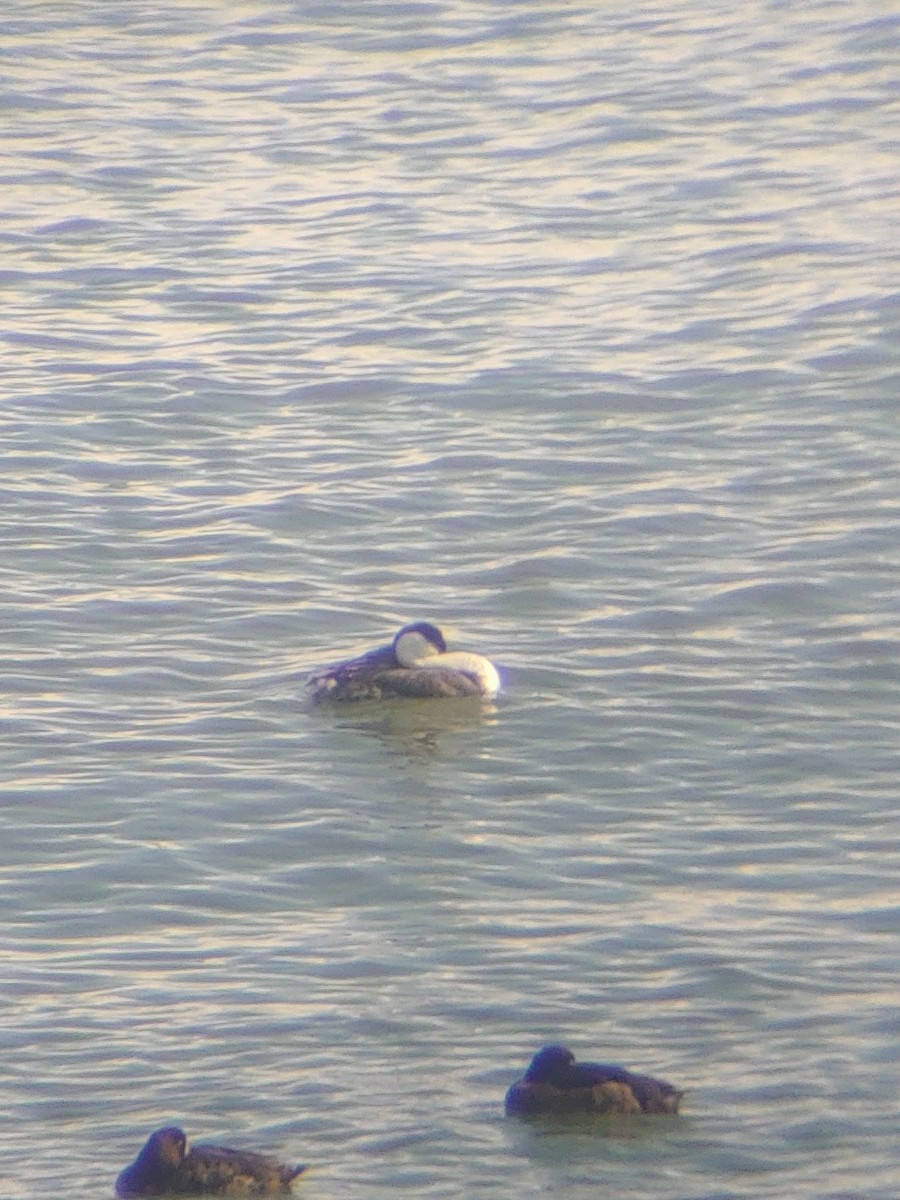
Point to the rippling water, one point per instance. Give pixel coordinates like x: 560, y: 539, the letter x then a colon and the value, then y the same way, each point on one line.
x: 576, y: 331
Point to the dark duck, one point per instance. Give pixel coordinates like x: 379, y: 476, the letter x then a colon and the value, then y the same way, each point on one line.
x: 415, y: 665
x: 556, y: 1083
x: 165, y: 1167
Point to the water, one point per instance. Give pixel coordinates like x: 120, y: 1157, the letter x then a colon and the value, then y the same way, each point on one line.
x: 574, y: 330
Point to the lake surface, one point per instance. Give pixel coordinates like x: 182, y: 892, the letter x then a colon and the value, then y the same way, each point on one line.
x: 573, y: 329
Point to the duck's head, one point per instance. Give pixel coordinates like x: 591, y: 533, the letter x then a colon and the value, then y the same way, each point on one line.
x: 549, y: 1065
x: 418, y: 641
x: 166, y: 1146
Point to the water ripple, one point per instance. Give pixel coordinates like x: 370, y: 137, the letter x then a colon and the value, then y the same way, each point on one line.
x: 576, y: 332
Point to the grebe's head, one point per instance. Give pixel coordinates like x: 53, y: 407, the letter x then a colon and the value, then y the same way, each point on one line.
x: 549, y: 1064
x: 418, y: 641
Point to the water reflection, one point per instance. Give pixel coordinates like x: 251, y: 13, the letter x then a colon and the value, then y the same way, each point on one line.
x: 415, y: 731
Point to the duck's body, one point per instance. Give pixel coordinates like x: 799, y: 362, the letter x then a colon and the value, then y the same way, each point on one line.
x: 165, y: 1167
x: 556, y: 1083
x: 415, y: 665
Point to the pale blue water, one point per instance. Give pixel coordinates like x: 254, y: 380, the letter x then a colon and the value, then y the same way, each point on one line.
x: 574, y: 330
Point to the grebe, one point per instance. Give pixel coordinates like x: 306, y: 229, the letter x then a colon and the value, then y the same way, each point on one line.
x: 166, y: 1167
x: 416, y: 664
x: 556, y: 1083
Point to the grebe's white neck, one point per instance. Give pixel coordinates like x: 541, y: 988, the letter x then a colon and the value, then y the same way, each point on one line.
x: 414, y: 643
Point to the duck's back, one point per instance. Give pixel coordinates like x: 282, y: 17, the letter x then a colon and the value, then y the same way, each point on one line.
x: 217, y: 1170
x: 594, y: 1088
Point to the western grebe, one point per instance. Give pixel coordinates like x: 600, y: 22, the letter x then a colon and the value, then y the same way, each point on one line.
x: 416, y: 664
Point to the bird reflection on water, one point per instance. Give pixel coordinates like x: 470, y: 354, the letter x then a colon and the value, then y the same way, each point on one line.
x: 417, y: 731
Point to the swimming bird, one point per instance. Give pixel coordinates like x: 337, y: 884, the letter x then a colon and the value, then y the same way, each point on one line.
x: 416, y: 664
x: 556, y: 1083
x: 165, y: 1167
